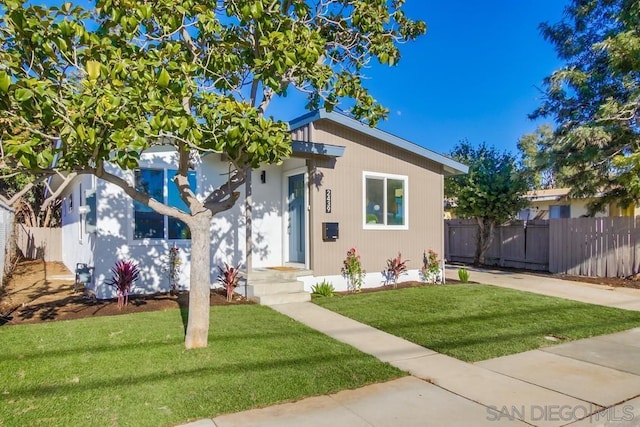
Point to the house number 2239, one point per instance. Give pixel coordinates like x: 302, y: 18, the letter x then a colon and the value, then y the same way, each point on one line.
x: 327, y: 201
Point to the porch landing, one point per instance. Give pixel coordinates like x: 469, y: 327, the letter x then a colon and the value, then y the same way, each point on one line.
x: 277, y: 285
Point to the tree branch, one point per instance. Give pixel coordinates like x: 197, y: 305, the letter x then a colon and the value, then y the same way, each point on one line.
x: 139, y: 196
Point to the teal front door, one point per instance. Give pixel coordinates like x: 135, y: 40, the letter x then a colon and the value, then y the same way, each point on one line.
x: 297, y: 227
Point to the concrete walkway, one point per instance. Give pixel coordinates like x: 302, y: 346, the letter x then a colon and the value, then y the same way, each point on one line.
x: 583, y: 383
x: 625, y: 298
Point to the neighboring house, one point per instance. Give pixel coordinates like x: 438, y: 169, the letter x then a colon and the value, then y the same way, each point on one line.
x: 345, y: 185
x: 556, y: 203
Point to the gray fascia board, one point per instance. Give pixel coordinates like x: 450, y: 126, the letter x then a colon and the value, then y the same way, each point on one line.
x: 451, y: 167
x: 316, y: 148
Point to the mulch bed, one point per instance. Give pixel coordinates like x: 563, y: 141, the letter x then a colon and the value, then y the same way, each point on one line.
x: 79, y: 306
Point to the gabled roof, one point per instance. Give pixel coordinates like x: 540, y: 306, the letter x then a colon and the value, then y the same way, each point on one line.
x: 450, y: 166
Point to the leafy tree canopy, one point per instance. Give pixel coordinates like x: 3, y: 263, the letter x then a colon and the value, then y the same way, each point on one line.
x: 595, y: 99
x: 491, y: 191
x: 539, y: 162
x: 81, y: 90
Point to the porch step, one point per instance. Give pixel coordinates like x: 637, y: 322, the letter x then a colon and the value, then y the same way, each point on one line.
x: 271, y: 276
x: 271, y: 287
x: 282, y: 298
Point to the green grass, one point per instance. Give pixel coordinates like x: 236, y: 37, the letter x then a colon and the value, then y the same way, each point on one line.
x: 479, y: 322
x: 134, y: 370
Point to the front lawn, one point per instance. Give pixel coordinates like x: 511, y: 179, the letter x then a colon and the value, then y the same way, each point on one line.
x: 134, y: 370
x: 479, y: 322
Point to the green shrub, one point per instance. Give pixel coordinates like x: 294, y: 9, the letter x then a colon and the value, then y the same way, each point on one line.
x: 324, y: 289
x: 463, y: 275
x: 431, y: 272
x: 352, y: 270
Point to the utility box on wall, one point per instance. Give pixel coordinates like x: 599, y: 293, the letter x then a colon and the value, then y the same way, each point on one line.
x: 330, y: 231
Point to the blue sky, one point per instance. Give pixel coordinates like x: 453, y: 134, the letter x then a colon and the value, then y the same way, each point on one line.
x: 476, y: 74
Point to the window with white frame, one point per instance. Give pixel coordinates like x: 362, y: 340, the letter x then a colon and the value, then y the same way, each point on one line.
x: 158, y: 184
x: 385, y: 201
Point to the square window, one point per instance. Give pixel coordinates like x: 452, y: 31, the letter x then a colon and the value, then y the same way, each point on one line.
x: 385, y: 204
x: 559, y: 211
x: 149, y: 224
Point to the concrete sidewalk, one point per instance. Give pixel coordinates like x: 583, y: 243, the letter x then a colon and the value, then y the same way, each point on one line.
x: 625, y: 298
x: 583, y: 383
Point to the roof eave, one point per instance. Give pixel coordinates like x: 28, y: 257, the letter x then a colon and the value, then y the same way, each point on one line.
x: 450, y: 166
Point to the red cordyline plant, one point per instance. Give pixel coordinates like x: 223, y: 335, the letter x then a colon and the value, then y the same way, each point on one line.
x: 396, y: 267
x: 352, y: 270
x: 125, y: 272
x: 228, y: 278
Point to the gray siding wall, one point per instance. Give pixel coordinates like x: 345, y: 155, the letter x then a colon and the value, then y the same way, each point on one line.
x: 343, y: 176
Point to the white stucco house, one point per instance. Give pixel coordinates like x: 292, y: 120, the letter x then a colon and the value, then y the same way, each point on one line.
x: 345, y: 185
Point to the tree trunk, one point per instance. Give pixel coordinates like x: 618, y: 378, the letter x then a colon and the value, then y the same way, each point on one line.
x: 485, y: 238
x: 200, y: 283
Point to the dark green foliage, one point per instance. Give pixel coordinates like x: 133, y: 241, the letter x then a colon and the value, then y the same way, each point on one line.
x: 595, y: 100
x: 491, y: 191
x: 539, y: 163
x: 83, y: 90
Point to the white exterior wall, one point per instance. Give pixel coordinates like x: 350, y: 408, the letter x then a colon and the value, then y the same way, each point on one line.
x: 371, y: 280
x: 269, y: 230
x: 114, y: 232
x: 77, y: 245
x: 267, y: 216
x: 578, y: 208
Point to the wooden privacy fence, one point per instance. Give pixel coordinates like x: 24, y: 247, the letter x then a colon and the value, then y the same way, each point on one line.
x: 517, y: 244
x: 601, y: 247
x: 39, y: 243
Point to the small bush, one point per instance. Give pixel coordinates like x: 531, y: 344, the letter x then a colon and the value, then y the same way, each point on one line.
x: 323, y: 289
x: 463, y: 275
x: 431, y: 272
x: 396, y: 267
x: 125, y: 272
x: 352, y: 270
x: 228, y: 278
